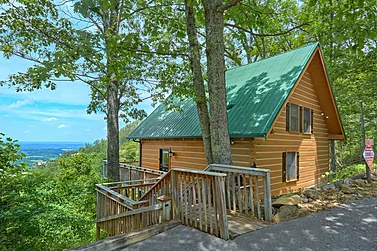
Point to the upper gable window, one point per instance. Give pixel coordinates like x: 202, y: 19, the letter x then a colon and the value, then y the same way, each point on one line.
x: 292, y: 119
x: 308, y: 120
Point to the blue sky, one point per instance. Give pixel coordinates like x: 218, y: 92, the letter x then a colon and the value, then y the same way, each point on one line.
x: 46, y: 115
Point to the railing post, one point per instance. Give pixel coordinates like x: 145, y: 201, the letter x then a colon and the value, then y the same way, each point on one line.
x: 165, y: 202
x: 174, y: 194
x: 267, y: 197
x: 223, y: 218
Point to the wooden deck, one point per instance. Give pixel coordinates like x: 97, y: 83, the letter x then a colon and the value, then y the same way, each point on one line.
x: 225, y: 201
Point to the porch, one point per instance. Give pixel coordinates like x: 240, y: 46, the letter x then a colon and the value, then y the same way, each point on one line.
x: 221, y: 200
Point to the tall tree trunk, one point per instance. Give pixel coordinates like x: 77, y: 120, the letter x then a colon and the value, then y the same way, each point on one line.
x: 214, y: 22
x: 111, y: 28
x: 200, y: 93
x: 113, y: 131
x: 362, y: 124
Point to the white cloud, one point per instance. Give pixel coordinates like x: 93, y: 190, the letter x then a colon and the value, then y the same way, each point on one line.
x: 20, y: 103
x: 27, y: 131
x: 62, y: 126
x: 68, y: 93
x: 50, y: 119
x: 88, y: 130
x: 58, y: 113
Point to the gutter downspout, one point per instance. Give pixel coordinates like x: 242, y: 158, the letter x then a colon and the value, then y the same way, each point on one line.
x: 140, y: 150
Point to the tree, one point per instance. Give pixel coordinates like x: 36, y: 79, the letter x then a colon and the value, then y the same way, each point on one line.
x: 347, y: 34
x: 101, y: 43
x: 240, y: 38
x: 10, y: 157
x: 50, y: 208
x: 198, y: 82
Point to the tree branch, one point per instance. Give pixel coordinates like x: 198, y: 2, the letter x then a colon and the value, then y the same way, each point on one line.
x: 265, y: 34
x: 230, y: 5
x: 158, y: 53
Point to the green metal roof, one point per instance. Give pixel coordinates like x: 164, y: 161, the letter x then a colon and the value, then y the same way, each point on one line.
x: 255, y: 95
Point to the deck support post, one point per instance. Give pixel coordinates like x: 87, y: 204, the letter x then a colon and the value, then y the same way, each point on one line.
x: 98, y: 232
x: 165, y: 202
x: 267, y: 197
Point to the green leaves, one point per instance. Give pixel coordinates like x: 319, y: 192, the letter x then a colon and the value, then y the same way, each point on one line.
x: 10, y: 156
x: 50, y: 208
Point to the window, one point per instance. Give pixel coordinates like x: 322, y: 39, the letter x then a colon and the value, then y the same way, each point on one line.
x: 290, y: 168
x: 164, y: 160
x: 308, y: 120
x: 299, y: 119
x: 292, y: 117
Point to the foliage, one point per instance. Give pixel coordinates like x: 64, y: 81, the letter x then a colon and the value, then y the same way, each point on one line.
x: 345, y: 172
x: 50, y: 208
x: 129, y: 150
x: 10, y: 156
x: 112, y: 46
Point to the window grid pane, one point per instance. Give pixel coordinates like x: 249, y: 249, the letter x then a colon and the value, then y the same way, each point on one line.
x: 294, y: 118
x: 291, y: 167
x: 307, y: 124
x: 165, y: 157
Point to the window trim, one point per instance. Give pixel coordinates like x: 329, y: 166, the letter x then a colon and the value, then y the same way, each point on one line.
x: 300, y: 119
x: 310, y: 121
x: 162, y: 150
x: 285, y: 166
x: 288, y: 118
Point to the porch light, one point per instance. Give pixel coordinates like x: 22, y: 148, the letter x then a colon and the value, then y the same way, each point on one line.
x: 171, y: 154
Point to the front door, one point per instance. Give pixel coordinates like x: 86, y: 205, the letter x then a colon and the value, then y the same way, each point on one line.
x: 164, y: 160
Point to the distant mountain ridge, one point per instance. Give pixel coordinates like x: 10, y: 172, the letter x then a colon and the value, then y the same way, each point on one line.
x: 46, y: 151
x: 26, y: 145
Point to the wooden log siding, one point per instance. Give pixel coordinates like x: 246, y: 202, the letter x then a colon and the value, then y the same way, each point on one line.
x: 266, y: 153
x: 189, y: 153
x: 313, y: 148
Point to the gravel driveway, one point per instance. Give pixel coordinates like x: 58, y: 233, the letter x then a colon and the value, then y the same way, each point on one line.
x: 350, y: 227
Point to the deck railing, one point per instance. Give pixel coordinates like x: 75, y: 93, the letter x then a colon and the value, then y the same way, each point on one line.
x: 245, y: 187
x: 131, y: 172
x: 133, y: 189
x: 199, y: 199
x: 119, y: 208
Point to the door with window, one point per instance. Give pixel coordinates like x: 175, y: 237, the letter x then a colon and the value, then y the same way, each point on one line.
x: 164, y: 160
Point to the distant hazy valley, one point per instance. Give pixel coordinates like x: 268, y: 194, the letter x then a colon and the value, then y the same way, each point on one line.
x: 46, y: 151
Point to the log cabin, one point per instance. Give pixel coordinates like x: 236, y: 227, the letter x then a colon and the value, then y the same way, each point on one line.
x: 282, y: 116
